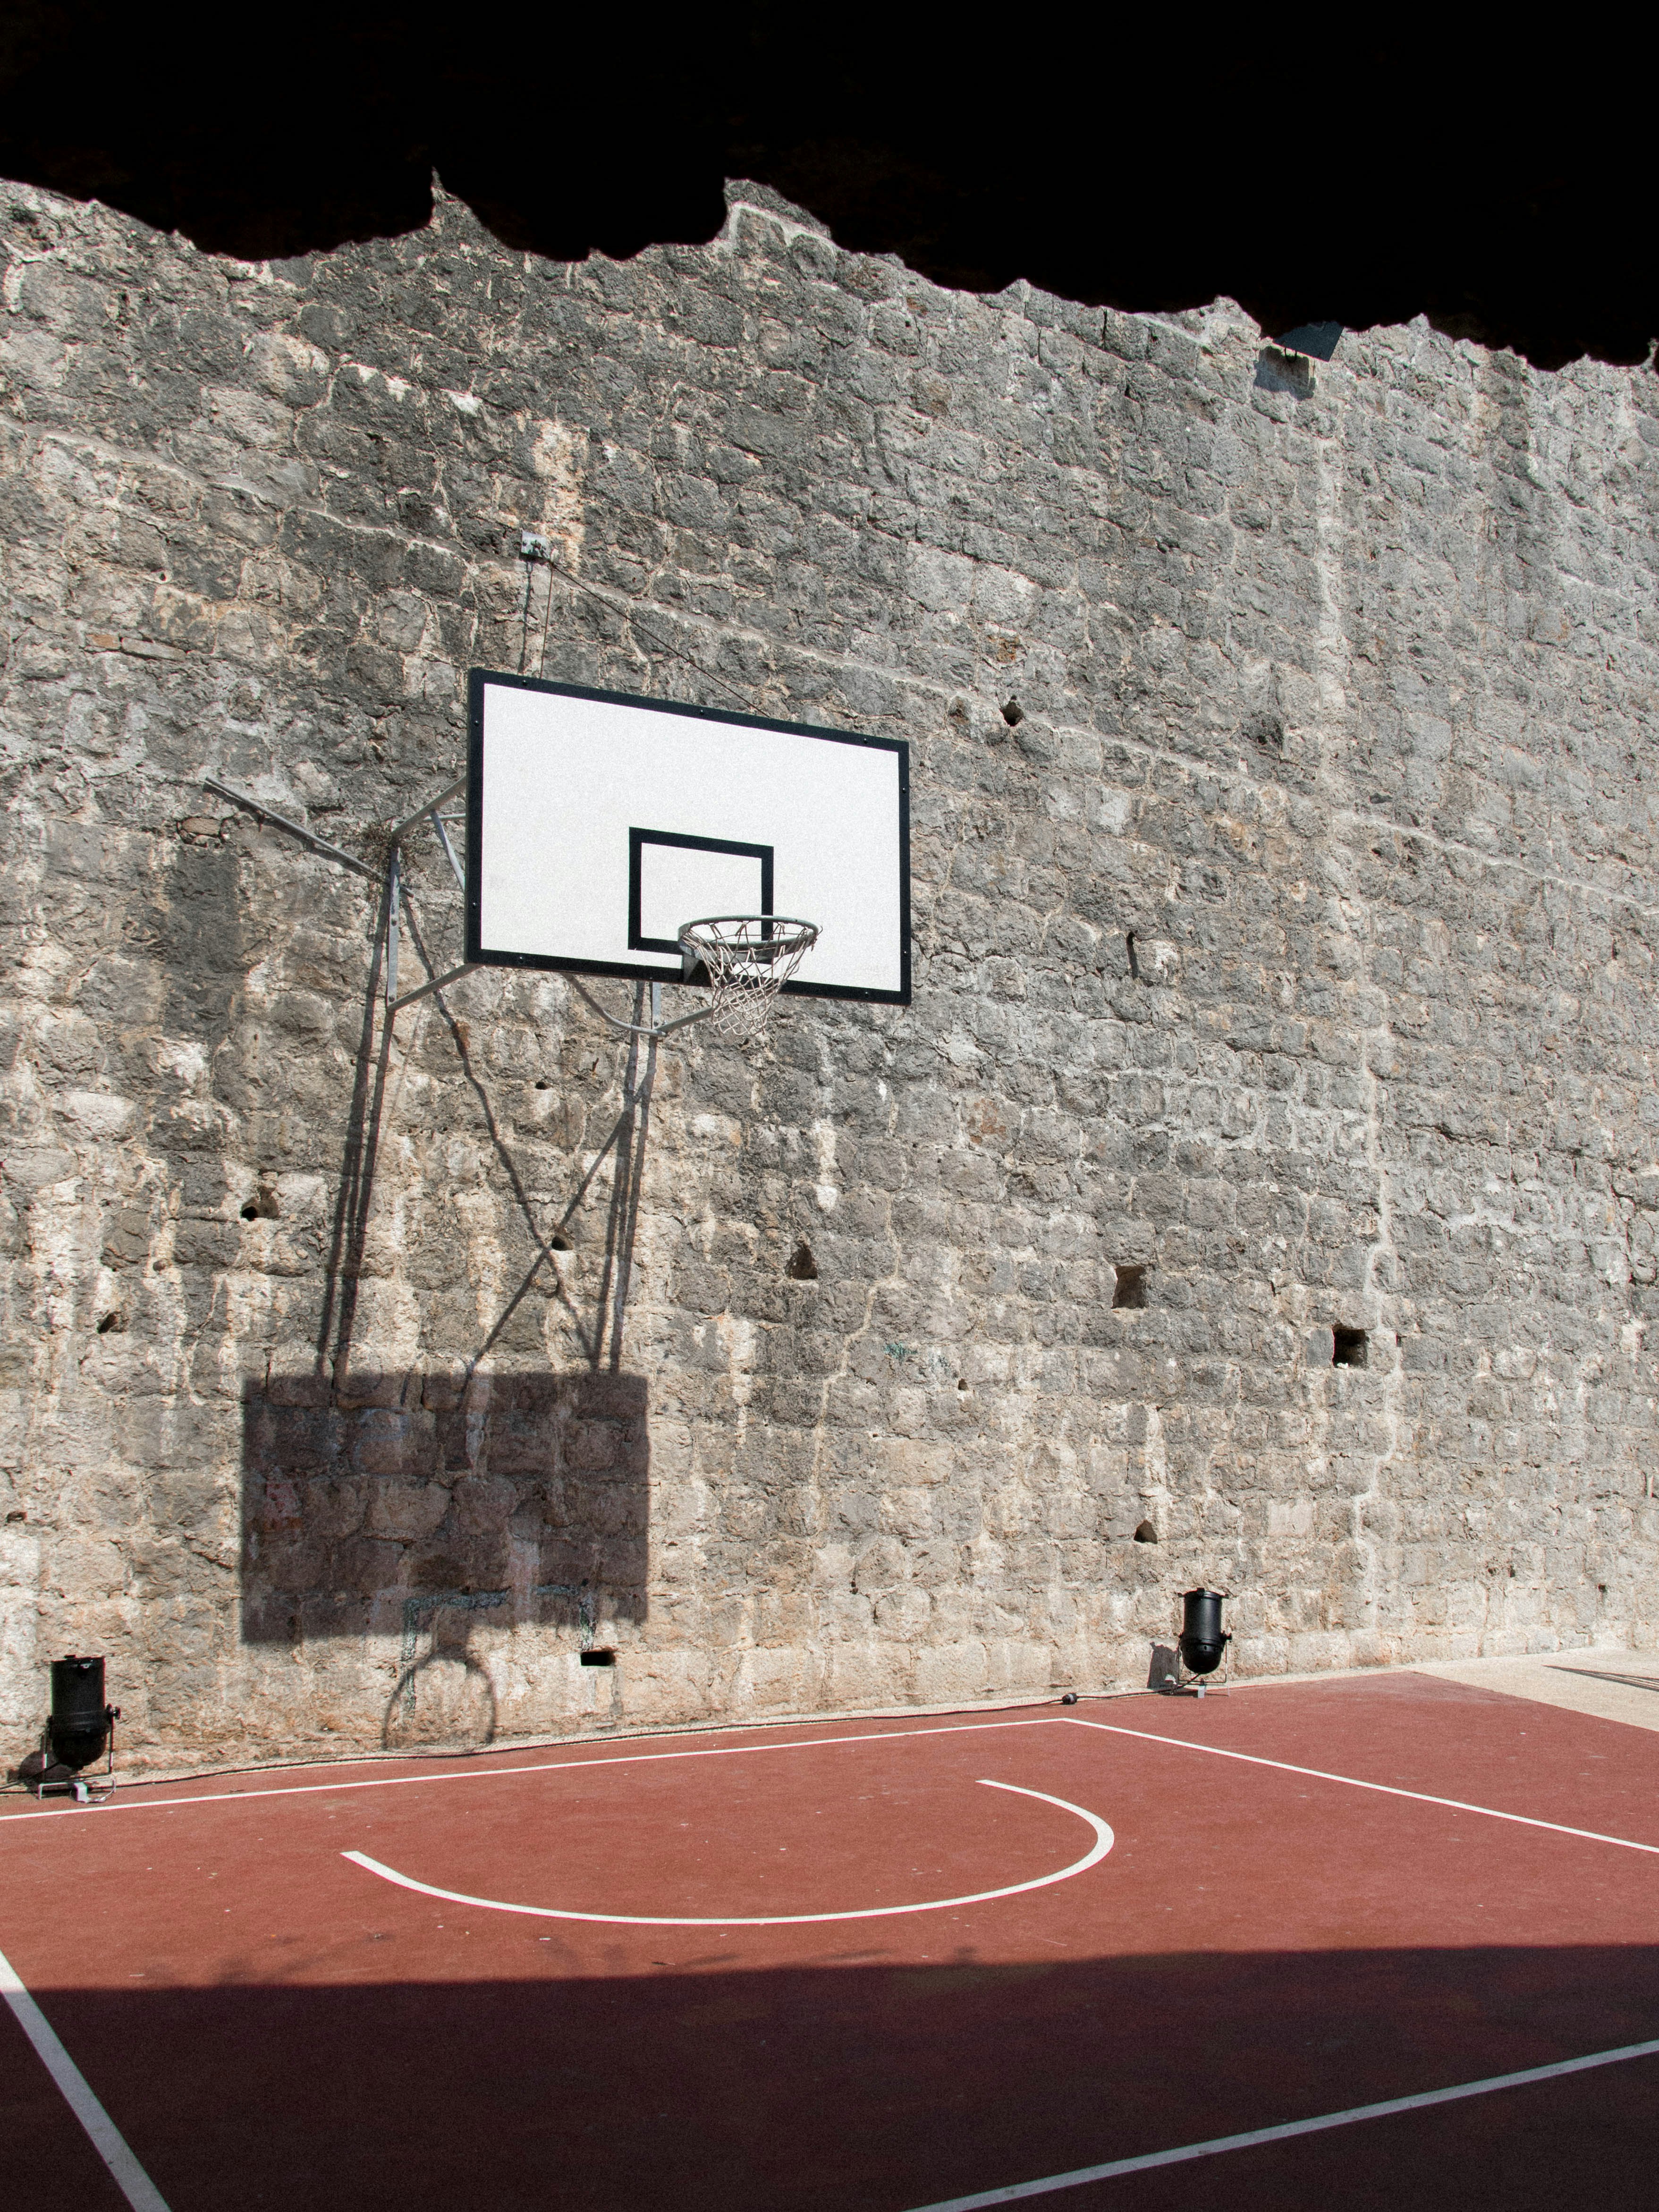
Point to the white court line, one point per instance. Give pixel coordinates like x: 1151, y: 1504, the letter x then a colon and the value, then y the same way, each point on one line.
x: 1109, y: 2171
x: 506, y: 1773
x: 1102, y: 1844
x: 1353, y: 1782
x: 107, y: 2140
x: 809, y: 1743
x: 1081, y: 2175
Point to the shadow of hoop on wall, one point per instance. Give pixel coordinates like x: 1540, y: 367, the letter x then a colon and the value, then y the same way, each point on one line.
x: 415, y: 1508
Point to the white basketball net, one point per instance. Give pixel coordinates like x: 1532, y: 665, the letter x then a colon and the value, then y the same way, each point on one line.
x: 749, y: 958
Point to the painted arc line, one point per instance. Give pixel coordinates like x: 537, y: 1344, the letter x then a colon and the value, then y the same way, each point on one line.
x: 111, y: 2145
x: 1080, y: 2175
x: 1384, y: 1788
x: 506, y: 1773
x: 1102, y: 1844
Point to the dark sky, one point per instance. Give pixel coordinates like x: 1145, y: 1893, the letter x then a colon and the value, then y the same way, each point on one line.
x: 1139, y: 158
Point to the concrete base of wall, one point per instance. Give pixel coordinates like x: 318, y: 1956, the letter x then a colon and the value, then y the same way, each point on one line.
x: 1607, y: 1684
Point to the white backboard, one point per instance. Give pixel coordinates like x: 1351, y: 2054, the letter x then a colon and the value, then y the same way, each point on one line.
x: 598, y: 822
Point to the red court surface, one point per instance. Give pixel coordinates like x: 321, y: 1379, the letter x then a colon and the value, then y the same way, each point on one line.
x: 269, y: 2022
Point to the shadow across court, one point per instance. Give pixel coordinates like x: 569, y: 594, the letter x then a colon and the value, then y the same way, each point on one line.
x: 418, y: 1502
x: 874, y: 2085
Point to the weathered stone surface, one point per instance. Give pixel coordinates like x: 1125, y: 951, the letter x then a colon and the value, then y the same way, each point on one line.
x: 1284, y: 852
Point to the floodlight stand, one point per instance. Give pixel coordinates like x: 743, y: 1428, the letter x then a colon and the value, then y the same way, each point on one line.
x: 1197, y: 1684
x: 78, y: 1786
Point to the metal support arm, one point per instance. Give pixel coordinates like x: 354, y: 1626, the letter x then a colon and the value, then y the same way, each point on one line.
x: 636, y: 1099
x: 263, y: 813
x: 395, y: 999
x: 656, y: 1028
x: 431, y: 807
x: 433, y: 983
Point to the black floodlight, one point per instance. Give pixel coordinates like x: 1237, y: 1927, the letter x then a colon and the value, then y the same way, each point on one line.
x: 80, y: 1724
x: 1316, y: 340
x: 1203, y: 1640
x: 80, y: 1730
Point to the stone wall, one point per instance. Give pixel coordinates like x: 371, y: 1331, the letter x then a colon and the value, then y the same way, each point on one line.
x: 1284, y: 928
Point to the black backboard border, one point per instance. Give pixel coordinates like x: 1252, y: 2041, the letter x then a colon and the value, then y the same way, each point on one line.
x: 479, y: 955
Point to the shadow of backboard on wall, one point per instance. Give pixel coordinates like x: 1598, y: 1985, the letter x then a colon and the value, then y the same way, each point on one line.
x: 367, y: 1506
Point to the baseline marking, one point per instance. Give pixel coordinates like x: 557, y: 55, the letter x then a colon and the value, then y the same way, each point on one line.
x: 506, y: 1773
x: 1102, y: 1844
x: 111, y: 2145
x: 1385, y: 1789
x: 1082, y: 2174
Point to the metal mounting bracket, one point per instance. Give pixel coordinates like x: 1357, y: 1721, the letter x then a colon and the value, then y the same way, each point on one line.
x: 426, y: 815
x: 637, y: 1089
x: 263, y: 813
x: 430, y: 815
x: 396, y: 896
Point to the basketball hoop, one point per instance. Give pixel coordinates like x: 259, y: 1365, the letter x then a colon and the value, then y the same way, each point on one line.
x: 748, y: 959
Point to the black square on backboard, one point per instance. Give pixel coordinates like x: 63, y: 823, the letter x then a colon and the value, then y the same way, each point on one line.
x: 637, y: 840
